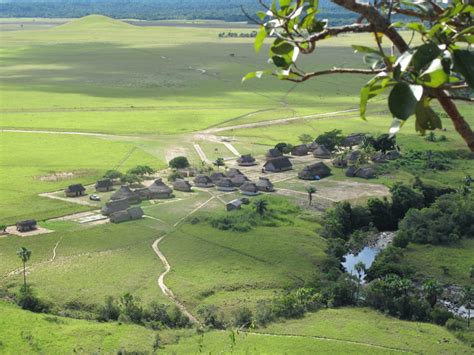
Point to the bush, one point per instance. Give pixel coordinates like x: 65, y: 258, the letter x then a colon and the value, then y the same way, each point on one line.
x: 131, y: 179
x: 210, y: 316
x: 330, y: 139
x: 440, y: 316
x: 27, y: 299
x: 109, y: 311
x: 113, y: 174
x: 130, y: 309
x: 405, y: 198
x: 284, y: 148
x: 400, y: 241
x: 174, y: 176
x: 264, y: 312
x: 454, y: 324
x: 141, y: 170
x: 242, y: 317
x: 178, y: 319
x: 179, y: 163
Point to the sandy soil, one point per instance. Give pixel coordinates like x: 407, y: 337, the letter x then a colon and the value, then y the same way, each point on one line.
x: 39, y: 230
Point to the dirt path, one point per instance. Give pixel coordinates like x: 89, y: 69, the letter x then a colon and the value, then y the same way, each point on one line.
x: 54, y: 249
x: 201, y: 153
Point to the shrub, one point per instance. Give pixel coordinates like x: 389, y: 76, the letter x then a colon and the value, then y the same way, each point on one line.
x: 264, y: 312
x: 174, y: 176
x: 400, y: 241
x: 141, y: 170
x: 440, y: 316
x: 131, y: 179
x: 381, y: 214
x: 178, y: 319
x: 242, y: 317
x: 27, y: 299
x: 305, y: 138
x: 109, y: 311
x: 330, y: 139
x: 454, y: 324
x: 179, y: 163
x: 210, y: 316
x: 130, y: 308
x: 403, y: 199
x: 113, y: 174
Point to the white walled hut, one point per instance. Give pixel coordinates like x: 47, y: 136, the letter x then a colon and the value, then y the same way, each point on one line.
x: 246, y: 160
x: 249, y: 188
x: 225, y: 185
x: 203, y: 181
x: 182, y: 185
x: 264, y: 184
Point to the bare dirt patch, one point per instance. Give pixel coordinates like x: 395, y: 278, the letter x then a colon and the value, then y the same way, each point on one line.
x: 39, y: 230
x: 59, y: 176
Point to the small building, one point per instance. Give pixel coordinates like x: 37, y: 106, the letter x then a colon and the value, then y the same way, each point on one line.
x: 239, y: 180
x: 353, y: 157
x: 278, y: 165
x: 249, y: 188
x: 339, y: 162
x: 113, y: 206
x: 135, y: 212
x: 225, y: 184
x: 300, y: 150
x: 322, y: 152
x: 233, y: 172
x: 353, y: 139
x: 130, y: 214
x: 215, y: 177
x: 264, y: 184
x: 75, y: 190
x: 364, y: 172
x: 273, y: 153
x: 392, y: 154
x: 314, y: 171
x: 203, y: 181
x: 312, y: 146
x: 125, y: 193
x: 182, y: 185
x: 104, y: 185
x: 246, y: 160
x: 159, y: 190
x: 234, y: 205
x: 26, y: 226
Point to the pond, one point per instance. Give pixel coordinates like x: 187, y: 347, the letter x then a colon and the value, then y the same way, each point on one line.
x: 366, y: 255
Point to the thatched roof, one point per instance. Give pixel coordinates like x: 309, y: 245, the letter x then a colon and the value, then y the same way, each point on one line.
x: 314, y: 171
x: 104, y: 183
x: 203, y: 181
x: 249, y: 188
x: 233, y: 172
x: 353, y: 139
x: 278, y: 164
x: 119, y: 216
x: 76, y: 188
x: 273, y: 153
x: 225, y: 182
x: 246, y: 160
x: 215, y: 177
x: 238, y: 180
x: 182, y: 185
x: 353, y: 156
x: 322, y: 152
x: 364, y: 172
x: 312, y: 146
x: 159, y: 187
x: 300, y: 150
x: 115, y: 206
x: 234, y: 204
x: 339, y: 162
x: 135, y: 212
x: 264, y: 184
x: 124, y: 193
x: 26, y: 223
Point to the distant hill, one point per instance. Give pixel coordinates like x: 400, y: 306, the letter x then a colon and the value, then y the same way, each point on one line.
x: 227, y: 10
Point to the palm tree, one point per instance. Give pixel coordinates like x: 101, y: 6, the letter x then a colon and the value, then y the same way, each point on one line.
x: 219, y: 162
x: 432, y: 290
x: 360, y: 269
x: 467, y: 300
x: 261, y: 207
x: 24, y: 254
x: 310, y: 190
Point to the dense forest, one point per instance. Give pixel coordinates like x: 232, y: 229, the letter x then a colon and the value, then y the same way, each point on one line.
x: 227, y: 10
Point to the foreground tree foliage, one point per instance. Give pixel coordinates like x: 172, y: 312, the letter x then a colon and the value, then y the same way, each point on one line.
x: 441, y: 68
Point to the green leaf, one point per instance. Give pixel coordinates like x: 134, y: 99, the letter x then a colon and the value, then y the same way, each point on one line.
x: 282, y: 48
x: 285, y: 3
x: 280, y: 61
x: 364, y: 49
x: 374, y: 87
x: 373, y: 60
x: 464, y: 64
x: 261, y: 35
x: 426, y: 118
x: 424, y: 55
x: 403, y: 98
x: 435, y: 75
x: 404, y: 61
x: 255, y: 74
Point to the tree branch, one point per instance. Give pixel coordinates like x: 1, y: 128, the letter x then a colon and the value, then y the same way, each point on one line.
x: 310, y: 75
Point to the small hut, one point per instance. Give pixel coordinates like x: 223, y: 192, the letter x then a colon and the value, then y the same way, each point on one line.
x: 233, y: 172
x: 239, y: 180
x: 278, y: 165
x: 26, y: 226
x: 392, y: 154
x: 246, y: 160
x: 119, y: 216
x: 249, y: 188
x: 215, y: 177
x: 225, y: 185
x: 300, y: 150
x: 312, y: 146
x: 264, y: 184
x: 273, y: 153
x: 75, y: 190
x: 234, y: 205
x: 114, y: 206
x: 379, y: 158
x: 159, y: 190
x: 364, y: 172
x: 104, y: 185
x: 339, y: 162
x: 203, y: 181
x: 353, y: 157
x: 353, y: 139
x: 182, y: 185
x: 322, y: 152
x: 126, y: 193
x: 135, y: 212
x: 314, y: 171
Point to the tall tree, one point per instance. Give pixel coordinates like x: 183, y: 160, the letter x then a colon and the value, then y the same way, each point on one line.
x: 219, y: 162
x: 439, y: 68
x: 432, y: 290
x: 24, y: 254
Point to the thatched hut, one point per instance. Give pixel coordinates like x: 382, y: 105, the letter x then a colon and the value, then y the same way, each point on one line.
x: 264, y: 184
x: 322, y: 152
x: 135, y: 212
x: 125, y: 193
x: 26, y: 226
x: 203, y: 181
x: 104, y: 185
x: 300, y: 150
x: 278, y: 165
x: 114, y: 206
x: 182, y: 185
x: 215, y: 177
x: 234, y: 205
x: 273, y: 153
x: 312, y: 146
x: 239, y: 180
x: 246, y: 160
x: 249, y: 188
x: 159, y: 190
x: 339, y: 162
x: 233, y: 172
x: 314, y: 171
x: 364, y: 172
x: 353, y: 157
x: 353, y: 139
x: 225, y: 185
x: 75, y: 190
x: 119, y: 216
